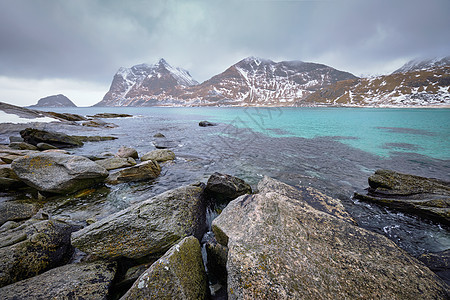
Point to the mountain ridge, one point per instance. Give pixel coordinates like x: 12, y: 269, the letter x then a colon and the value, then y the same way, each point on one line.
x: 255, y: 81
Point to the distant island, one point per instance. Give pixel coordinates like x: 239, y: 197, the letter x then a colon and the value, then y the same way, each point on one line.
x: 54, y: 101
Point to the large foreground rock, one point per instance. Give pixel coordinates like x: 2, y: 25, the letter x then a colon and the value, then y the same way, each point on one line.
x: 426, y: 197
x: 149, y: 227
x: 179, y: 274
x: 58, y: 172
x: 74, y: 281
x: 280, y: 247
x: 33, y: 248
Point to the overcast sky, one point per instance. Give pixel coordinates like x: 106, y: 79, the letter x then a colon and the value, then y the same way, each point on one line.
x: 74, y: 47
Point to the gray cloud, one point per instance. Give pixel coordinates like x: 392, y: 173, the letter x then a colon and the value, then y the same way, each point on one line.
x: 91, y: 39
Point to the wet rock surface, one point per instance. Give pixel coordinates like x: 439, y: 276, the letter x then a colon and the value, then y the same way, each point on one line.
x: 225, y: 187
x: 144, y: 171
x: 149, y: 227
x: 425, y: 197
x: 178, y: 274
x: 73, y: 281
x: 57, y: 172
x: 116, y: 162
x: 32, y: 248
x: 159, y: 155
x: 281, y: 247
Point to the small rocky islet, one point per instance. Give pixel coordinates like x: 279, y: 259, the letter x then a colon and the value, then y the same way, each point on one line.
x: 274, y: 242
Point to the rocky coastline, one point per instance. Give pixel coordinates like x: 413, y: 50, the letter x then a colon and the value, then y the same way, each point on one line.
x: 274, y: 241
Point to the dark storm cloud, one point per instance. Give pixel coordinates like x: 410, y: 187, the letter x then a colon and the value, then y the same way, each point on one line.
x: 91, y: 39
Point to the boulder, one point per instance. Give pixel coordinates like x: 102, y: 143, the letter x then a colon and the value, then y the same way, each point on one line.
x: 57, y: 172
x: 73, y: 281
x: 159, y: 155
x: 146, y: 228
x: 16, y: 211
x: 225, y: 187
x: 127, y: 152
x: 179, y: 274
x: 116, y: 162
x: 206, y: 124
x: 32, y: 248
x: 59, y: 140
x: 8, y: 158
x: 45, y: 146
x: 144, y: 171
x: 22, y: 146
x: 159, y: 135
x: 280, y: 247
x: 425, y: 197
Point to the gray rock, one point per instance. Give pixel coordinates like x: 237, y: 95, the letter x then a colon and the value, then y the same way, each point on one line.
x: 45, y: 146
x: 280, y: 247
x: 16, y: 211
x: 22, y: 146
x: 159, y: 155
x: 98, y: 123
x: 144, y: 171
x: 179, y: 274
x: 164, y: 144
x: 149, y: 227
x: 15, y: 139
x: 425, y: 197
x: 6, y: 171
x: 73, y: 281
x: 127, y: 152
x: 32, y: 248
x: 159, y: 135
x: 57, y: 172
x: 225, y: 187
x: 116, y: 162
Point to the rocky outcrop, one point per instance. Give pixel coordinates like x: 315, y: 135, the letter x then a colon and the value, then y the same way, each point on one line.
x: 150, y: 227
x: 57, y: 172
x: 426, y: 197
x: 73, y: 281
x: 59, y: 140
x: 159, y: 155
x: 116, y: 162
x: 280, y: 247
x: 179, y: 274
x: 110, y: 115
x: 144, y: 171
x: 225, y: 187
x: 33, y: 248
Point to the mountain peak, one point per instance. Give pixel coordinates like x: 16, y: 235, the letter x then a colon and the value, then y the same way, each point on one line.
x: 423, y: 63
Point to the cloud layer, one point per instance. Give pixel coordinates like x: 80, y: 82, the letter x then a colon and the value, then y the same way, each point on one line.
x: 88, y: 40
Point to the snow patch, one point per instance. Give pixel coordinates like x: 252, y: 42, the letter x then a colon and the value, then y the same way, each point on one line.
x: 15, y: 119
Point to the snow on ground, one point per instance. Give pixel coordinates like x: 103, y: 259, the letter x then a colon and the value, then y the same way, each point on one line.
x: 15, y: 119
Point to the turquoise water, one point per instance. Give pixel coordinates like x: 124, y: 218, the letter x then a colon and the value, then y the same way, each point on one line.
x: 377, y: 131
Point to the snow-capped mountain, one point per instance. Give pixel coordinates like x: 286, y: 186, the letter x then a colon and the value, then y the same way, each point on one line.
x: 418, y: 83
x: 145, y: 84
x: 423, y: 64
x: 257, y: 81
x: 54, y: 101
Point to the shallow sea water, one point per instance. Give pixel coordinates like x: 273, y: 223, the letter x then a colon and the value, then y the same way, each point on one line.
x: 332, y: 149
